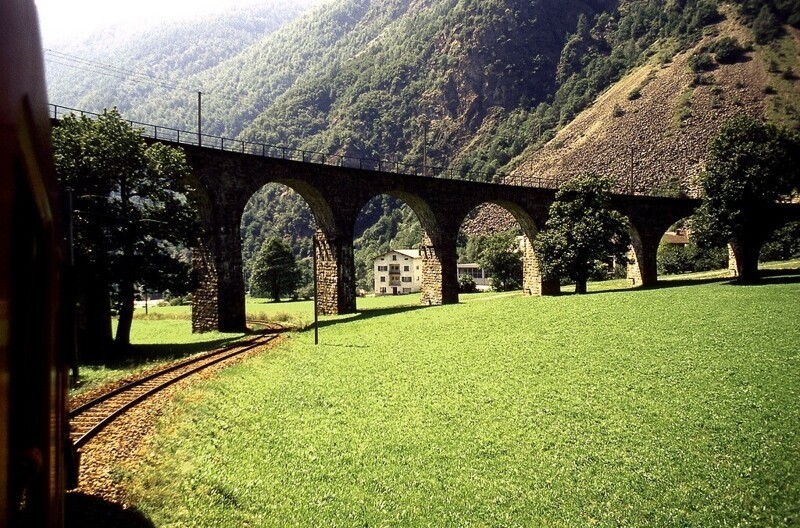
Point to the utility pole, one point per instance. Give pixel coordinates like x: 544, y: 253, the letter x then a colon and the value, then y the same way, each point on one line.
x: 630, y: 179
x: 316, y: 293
x: 199, y: 119
x: 425, y: 148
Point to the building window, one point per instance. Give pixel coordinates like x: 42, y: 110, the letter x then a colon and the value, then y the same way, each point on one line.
x: 417, y: 267
x: 394, y: 257
x: 405, y: 258
x: 383, y: 279
x: 406, y: 268
x: 395, y: 268
x: 406, y: 279
x: 383, y: 268
x: 383, y: 290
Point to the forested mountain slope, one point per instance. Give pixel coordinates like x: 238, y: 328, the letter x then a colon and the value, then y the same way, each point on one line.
x: 651, y: 130
x: 496, y: 88
x: 159, y: 68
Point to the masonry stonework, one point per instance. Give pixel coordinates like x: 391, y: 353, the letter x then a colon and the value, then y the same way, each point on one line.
x: 533, y: 283
x: 336, y: 195
x: 336, y: 287
x: 204, y: 301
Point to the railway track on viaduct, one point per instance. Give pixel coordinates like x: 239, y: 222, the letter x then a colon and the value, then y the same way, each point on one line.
x: 88, y: 419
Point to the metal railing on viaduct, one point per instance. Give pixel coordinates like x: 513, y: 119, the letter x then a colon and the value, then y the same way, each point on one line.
x: 187, y: 137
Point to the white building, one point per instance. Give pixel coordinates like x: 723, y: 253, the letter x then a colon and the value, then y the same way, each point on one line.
x: 398, y: 271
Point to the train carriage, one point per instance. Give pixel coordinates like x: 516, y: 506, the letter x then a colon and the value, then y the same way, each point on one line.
x: 32, y: 336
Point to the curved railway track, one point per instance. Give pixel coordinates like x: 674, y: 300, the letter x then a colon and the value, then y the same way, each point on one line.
x: 93, y: 416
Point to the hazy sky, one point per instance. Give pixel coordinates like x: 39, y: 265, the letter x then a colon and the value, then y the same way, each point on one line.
x: 66, y: 19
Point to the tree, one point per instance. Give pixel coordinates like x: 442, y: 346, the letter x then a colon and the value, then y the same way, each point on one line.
x: 581, y: 230
x: 131, y: 210
x: 750, y: 166
x: 275, y: 272
x: 502, y: 258
x: 766, y: 26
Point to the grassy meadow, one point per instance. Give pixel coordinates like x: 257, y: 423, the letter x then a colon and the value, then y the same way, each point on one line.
x: 675, y: 406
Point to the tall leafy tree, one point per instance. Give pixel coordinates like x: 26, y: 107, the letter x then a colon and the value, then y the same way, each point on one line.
x: 501, y: 257
x: 750, y: 166
x: 581, y: 230
x: 131, y: 209
x: 275, y: 272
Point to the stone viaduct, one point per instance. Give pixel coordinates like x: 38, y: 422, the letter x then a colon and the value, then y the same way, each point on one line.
x: 229, y: 172
x: 336, y: 195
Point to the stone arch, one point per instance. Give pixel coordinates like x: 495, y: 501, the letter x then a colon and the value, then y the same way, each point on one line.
x: 532, y: 281
x: 649, y: 217
x: 678, y: 235
x: 332, y: 247
x: 219, y: 299
x: 301, y: 222
x: 430, y: 249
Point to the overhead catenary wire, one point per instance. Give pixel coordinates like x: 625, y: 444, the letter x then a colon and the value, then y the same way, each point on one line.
x: 97, y: 67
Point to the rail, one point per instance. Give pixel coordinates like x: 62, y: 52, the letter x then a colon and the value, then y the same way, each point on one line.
x: 87, y: 420
x: 186, y: 137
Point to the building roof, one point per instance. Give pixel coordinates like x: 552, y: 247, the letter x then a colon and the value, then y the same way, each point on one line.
x: 677, y: 238
x: 410, y: 253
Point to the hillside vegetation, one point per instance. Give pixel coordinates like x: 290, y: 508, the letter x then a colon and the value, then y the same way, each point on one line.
x: 496, y: 88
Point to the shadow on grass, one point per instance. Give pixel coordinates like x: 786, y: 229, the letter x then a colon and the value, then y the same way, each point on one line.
x: 780, y: 276
x: 89, y: 511
x: 368, y: 313
x: 135, y: 355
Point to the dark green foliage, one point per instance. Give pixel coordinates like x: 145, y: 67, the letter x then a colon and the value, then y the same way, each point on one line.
x: 502, y: 258
x: 701, y: 62
x: 674, y: 259
x: 581, y: 230
x: 132, y: 213
x: 726, y: 50
x: 276, y: 211
x: 766, y: 26
x: 275, y: 273
x: 783, y: 245
x: 787, y: 11
x: 750, y: 166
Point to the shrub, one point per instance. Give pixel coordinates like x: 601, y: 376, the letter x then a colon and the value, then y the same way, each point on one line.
x: 700, y: 62
x: 600, y: 271
x: 726, y: 50
x: 672, y: 259
x: 766, y: 26
x: 707, y: 258
x: 634, y: 94
x: 784, y: 243
x: 466, y: 284
x: 618, y: 111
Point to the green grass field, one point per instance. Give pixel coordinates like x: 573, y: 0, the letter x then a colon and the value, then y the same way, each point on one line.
x: 675, y: 406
